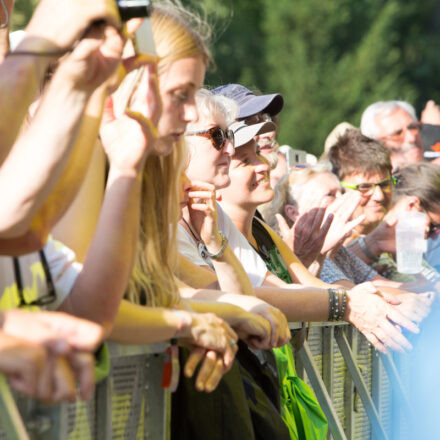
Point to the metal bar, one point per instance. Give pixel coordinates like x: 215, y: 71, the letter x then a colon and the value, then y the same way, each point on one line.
x: 349, y: 389
x: 397, y: 384
x: 306, y: 358
x: 10, y: 418
x: 360, y: 384
x: 327, y: 361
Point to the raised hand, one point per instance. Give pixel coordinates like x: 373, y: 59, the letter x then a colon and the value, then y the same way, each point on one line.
x: 342, y: 209
x: 128, y: 139
x: 203, y: 212
x: 307, y: 235
x: 431, y: 113
x: 62, y: 22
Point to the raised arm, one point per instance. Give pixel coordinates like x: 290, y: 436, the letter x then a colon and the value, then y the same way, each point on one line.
x: 43, y: 150
x: 128, y: 140
x: 202, y: 209
x: 21, y: 74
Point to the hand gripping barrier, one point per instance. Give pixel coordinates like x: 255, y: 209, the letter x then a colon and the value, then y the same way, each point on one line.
x: 361, y: 393
x: 128, y: 404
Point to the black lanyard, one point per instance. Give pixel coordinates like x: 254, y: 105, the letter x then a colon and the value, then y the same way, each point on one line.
x: 49, y: 298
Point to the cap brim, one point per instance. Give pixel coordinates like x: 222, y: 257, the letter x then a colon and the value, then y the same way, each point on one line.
x: 271, y: 104
x: 245, y: 133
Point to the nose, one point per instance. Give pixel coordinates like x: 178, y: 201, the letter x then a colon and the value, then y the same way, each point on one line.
x: 410, y: 136
x: 378, y: 193
x: 228, y: 149
x: 190, y: 113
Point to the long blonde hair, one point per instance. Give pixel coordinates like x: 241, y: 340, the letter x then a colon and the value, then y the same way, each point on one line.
x: 178, y: 34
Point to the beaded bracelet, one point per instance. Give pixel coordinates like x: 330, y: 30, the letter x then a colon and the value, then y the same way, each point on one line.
x: 337, y: 306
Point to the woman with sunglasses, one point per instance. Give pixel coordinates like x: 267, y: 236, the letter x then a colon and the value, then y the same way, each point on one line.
x: 211, y: 145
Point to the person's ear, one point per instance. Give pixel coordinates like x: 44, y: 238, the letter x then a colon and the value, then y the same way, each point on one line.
x: 413, y: 203
x: 291, y: 212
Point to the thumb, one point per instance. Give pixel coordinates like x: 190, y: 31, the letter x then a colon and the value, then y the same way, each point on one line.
x: 108, y: 114
x: 282, y: 225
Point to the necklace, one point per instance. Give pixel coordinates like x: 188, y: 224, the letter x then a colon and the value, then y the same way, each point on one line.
x: 201, y: 248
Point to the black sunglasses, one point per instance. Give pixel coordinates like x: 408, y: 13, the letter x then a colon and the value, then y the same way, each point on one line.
x: 217, y: 135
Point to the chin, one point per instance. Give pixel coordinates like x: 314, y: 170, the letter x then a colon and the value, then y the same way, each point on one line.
x: 162, y: 147
x: 221, y: 182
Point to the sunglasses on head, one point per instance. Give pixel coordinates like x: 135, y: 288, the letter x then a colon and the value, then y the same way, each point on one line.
x: 216, y: 134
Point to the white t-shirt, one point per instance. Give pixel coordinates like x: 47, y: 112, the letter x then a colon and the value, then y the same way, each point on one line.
x: 62, y: 266
x: 252, y: 263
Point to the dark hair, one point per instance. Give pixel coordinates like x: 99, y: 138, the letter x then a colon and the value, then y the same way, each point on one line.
x: 421, y: 180
x: 355, y: 153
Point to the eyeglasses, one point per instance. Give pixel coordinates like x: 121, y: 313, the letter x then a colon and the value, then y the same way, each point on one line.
x: 217, y: 135
x: 398, y: 135
x: 256, y: 119
x: 434, y: 229
x: 51, y: 295
x: 367, y: 189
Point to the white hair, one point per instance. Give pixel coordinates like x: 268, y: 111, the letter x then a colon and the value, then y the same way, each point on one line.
x: 210, y: 105
x: 368, y: 120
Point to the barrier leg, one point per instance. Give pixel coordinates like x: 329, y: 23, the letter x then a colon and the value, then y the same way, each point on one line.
x: 10, y: 418
x: 358, y: 380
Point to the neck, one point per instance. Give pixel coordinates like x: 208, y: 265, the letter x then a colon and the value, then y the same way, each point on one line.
x: 241, y: 217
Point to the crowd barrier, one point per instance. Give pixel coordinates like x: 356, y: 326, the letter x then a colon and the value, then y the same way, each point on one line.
x: 355, y: 386
x: 129, y: 404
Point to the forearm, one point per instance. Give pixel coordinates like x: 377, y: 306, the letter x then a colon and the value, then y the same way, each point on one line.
x: 135, y: 324
x: 231, y: 275
x: 20, y: 78
x: 77, y: 165
x: 98, y: 290
x: 229, y: 312
x: 297, y: 303
x: 41, y: 155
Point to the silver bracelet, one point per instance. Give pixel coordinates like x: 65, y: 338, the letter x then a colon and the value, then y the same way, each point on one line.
x: 204, y: 253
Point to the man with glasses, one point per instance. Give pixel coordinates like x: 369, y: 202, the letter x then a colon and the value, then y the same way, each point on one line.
x: 363, y: 164
x: 395, y: 125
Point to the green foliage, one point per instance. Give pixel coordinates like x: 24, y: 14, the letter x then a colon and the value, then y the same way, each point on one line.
x: 329, y: 59
x: 22, y: 13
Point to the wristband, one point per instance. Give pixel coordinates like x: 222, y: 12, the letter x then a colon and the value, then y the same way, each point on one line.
x: 204, y: 253
x: 337, y: 304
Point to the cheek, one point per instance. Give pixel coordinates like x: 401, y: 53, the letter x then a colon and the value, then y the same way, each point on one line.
x: 169, y: 120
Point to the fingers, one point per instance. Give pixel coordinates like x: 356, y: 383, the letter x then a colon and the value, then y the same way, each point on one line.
x: 63, y: 381
x: 326, y: 225
x: 83, y: 367
x: 282, y: 225
x: 210, y: 373
x: 377, y: 344
x: 398, y: 318
x: 392, y: 337
x: 193, y: 360
x: 353, y: 223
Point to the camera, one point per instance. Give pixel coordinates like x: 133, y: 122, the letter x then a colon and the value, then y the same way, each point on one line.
x: 134, y: 8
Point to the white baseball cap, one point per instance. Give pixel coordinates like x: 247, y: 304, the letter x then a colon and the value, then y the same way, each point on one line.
x: 245, y: 133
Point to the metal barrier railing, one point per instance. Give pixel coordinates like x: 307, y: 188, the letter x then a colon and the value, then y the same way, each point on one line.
x: 356, y: 388
x: 359, y: 390
x: 128, y: 404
